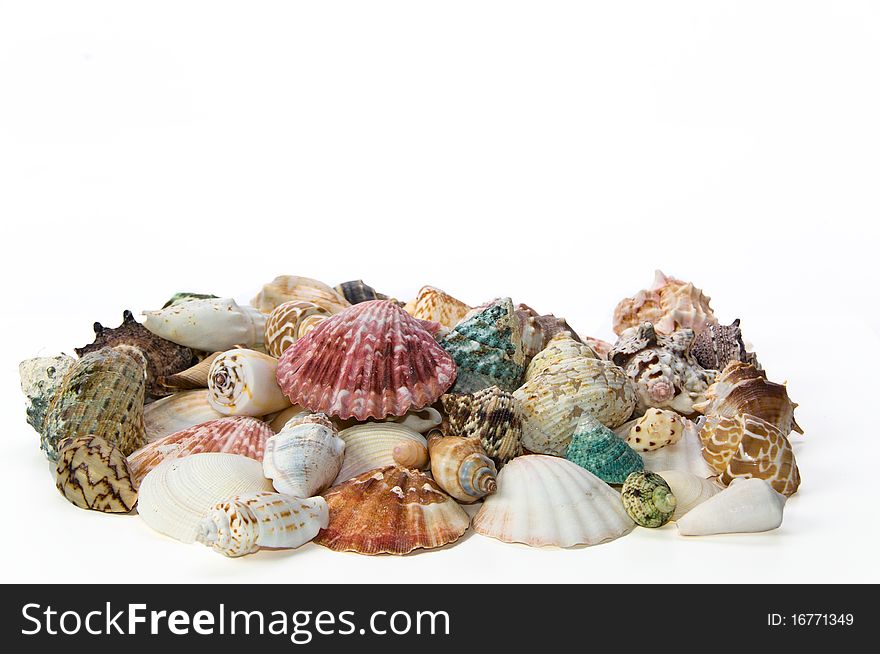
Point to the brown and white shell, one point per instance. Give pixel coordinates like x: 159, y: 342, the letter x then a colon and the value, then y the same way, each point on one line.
x: 190, y: 379
x: 657, y: 428
x: 670, y: 304
x: 93, y: 474
x: 537, y: 330
x: 493, y: 416
x: 460, y: 466
x: 561, y: 346
x: 437, y: 306
x: 717, y: 345
x: 391, y: 510
x: 287, y: 288
x: 289, y: 322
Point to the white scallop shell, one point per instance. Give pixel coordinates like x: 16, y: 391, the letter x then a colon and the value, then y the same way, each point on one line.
x: 746, y: 506
x: 546, y: 500
x: 689, y: 490
x: 420, y: 420
x: 303, y: 458
x: 686, y: 455
x: 176, y: 495
x: 176, y: 412
x: 371, y: 445
x: 211, y: 325
x: 242, y: 383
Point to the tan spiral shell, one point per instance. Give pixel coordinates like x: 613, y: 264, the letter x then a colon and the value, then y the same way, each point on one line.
x: 289, y: 322
x: 461, y: 468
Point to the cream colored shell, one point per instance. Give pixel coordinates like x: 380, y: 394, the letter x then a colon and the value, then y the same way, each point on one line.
x: 242, y: 383
x: 371, y: 445
x: 176, y: 412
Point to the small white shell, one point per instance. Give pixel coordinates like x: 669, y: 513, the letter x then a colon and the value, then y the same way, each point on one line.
x: 211, y: 325
x: 689, y: 490
x: 371, y: 445
x: 176, y: 412
x: 242, y: 383
x: 686, y: 455
x: 304, y: 457
x: 746, y: 506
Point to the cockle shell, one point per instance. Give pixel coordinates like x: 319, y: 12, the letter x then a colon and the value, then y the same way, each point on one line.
x: 545, y: 500
x: 537, y: 330
x: 93, y: 474
x: 391, y: 510
x: 746, y: 446
x: 670, y: 304
x: 40, y: 378
x: 437, y: 306
x: 487, y: 348
x: 717, y: 345
x: 372, y: 445
x: 102, y: 394
x: 742, y: 388
x: 304, y: 457
x: 689, y: 490
x: 190, y: 379
x: 657, y: 428
x: 289, y: 322
x: 210, y: 325
x: 176, y: 495
x: 460, y: 467
x: 648, y: 499
x: 179, y: 411
x: 492, y: 415
x: 596, y: 448
x: 746, y: 506
x: 559, y: 348
x: 420, y: 420
x: 243, y: 383
x: 232, y: 435
x: 663, y: 371
x: 163, y: 357
x: 686, y: 455
x: 245, y: 523
x: 357, y: 291
x: 369, y: 361
x: 287, y: 288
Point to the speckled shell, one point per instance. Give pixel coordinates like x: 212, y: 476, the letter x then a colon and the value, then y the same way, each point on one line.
x: 176, y: 495
x: 670, y: 304
x: 179, y: 411
x: 648, y: 499
x: 545, y: 500
x: 537, y: 330
x: 232, y: 435
x: 289, y: 322
x: 742, y: 388
x: 686, y: 455
x: 746, y: 446
x: 596, y: 448
x: 93, y: 474
x: 369, y: 361
x: 391, y: 511
x: 163, y: 357
x: 243, y: 383
x: 305, y: 456
x: 559, y: 348
x: 287, y: 288
x: 190, y: 379
x: 664, y: 373
x: 717, y: 345
x: 40, y: 378
x: 102, y: 394
x: 487, y: 348
x: 371, y: 445
x: 358, y: 291
x: 492, y: 415
x: 209, y: 325
x: 435, y: 305
x: 245, y: 523
x: 689, y: 490
x: 657, y: 428
x: 747, y: 506
x: 460, y: 467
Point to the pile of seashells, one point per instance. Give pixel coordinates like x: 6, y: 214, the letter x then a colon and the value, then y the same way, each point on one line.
x: 342, y: 416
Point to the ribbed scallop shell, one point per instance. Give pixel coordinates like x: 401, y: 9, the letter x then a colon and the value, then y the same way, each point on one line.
x: 371, y: 445
x: 717, y: 345
x: 559, y: 348
x: 545, y: 500
x: 537, y: 330
x: 190, y: 379
x: 287, y: 288
x: 596, y: 448
x: 245, y: 523
x: 176, y: 412
x: 370, y: 361
x: 232, y: 435
x: 493, y: 416
x: 304, y: 457
x: 437, y: 306
x: 461, y: 468
x: 670, y: 304
x: 685, y: 455
x: 210, y: 325
x: 747, y: 506
x: 243, y: 383
x: 176, y: 495
x: 391, y: 511
x: 689, y: 490
x: 289, y: 322
x: 92, y: 474
x: 102, y: 394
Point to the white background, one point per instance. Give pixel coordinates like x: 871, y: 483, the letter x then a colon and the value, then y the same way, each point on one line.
x: 555, y: 152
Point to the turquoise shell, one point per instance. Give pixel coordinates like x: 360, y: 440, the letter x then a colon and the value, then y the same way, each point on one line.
x: 599, y: 450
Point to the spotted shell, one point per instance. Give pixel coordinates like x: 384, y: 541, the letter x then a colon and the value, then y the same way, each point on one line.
x: 657, y: 428
x: 648, y: 499
x: 670, y: 304
x: 437, y: 306
x: 286, y: 288
x: 493, y: 416
x: 289, y: 322
x: 93, y: 474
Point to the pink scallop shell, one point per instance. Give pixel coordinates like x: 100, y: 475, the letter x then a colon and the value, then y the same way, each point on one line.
x: 368, y: 361
x: 233, y: 435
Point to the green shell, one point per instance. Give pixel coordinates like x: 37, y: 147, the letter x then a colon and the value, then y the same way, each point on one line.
x: 598, y: 449
x: 648, y: 499
x: 487, y: 348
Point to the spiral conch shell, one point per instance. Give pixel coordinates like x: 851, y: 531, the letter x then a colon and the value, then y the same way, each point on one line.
x: 305, y: 456
x: 491, y: 415
x: 670, y: 304
x: 648, y: 499
x: 437, y: 306
x: 242, y: 383
x: 460, y: 467
x: 93, y: 474
x: 289, y: 322
x: 210, y: 325
x: 245, y: 523
x: 286, y: 288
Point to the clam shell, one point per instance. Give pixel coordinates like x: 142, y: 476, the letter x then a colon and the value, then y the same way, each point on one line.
x: 190, y: 379
x: 747, y: 506
x: 686, y: 455
x: 670, y: 304
x: 371, y: 445
x: 40, y: 378
x: 437, y: 306
x: 210, y: 325
x: 93, y: 474
x: 176, y: 495
x: 391, y: 510
x: 243, y: 383
x: 545, y: 500
x: 689, y: 490
x: 491, y: 415
x: 178, y: 411
x: 287, y: 288
x: 304, y: 457
x: 461, y: 468
x: 596, y: 448
x: 289, y: 322
x: 369, y: 361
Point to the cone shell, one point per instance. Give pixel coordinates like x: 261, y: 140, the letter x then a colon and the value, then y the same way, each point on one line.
x: 287, y: 288
x: 648, y: 499
x: 102, y: 394
x: 537, y: 330
x: 289, y: 322
x: 209, y: 325
x: 686, y: 455
x: 747, y: 506
x: 176, y: 412
x: 597, y: 449
x: 372, y: 445
x: 93, y: 474
x: 718, y: 345
x: 657, y: 428
x: 304, y: 457
x: 391, y: 510
x: 231, y: 435
x: 435, y: 305
x: 190, y: 379
x: 370, y: 361
x: 689, y: 490
x: 245, y: 523
x: 545, y: 500
x: 40, y: 379
x: 461, y: 468
x: 243, y: 383
x: 491, y: 415
x: 670, y: 304
x: 357, y: 291
x: 746, y: 446
x: 176, y: 495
